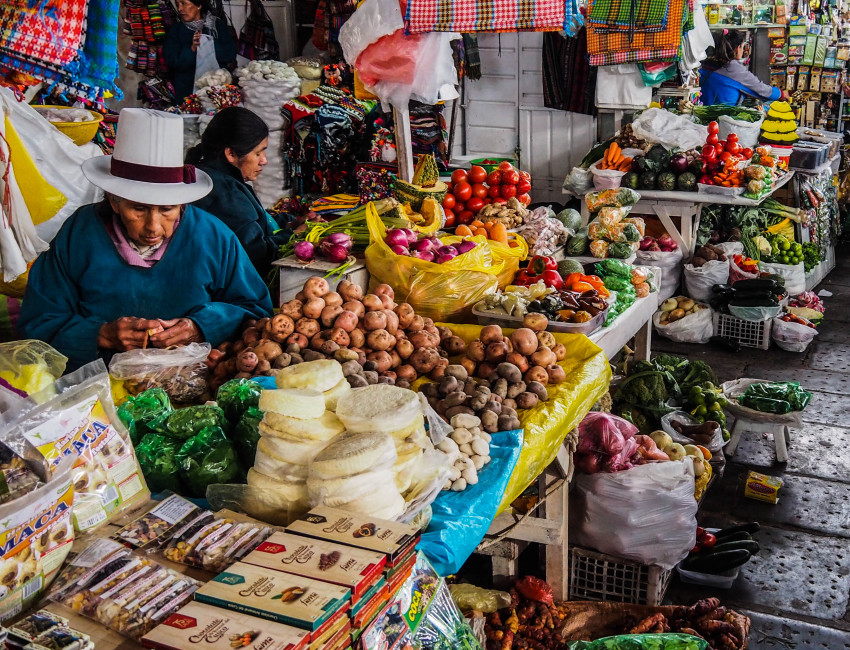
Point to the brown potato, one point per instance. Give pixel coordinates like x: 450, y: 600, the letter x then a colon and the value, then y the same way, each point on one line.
x: 538, y: 374
x: 491, y: 334
x: 524, y: 341
x: 329, y: 314
x: 416, y: 324
x: 340, y: 337
x: 333, y: 298
x: 297, y: 338
x: 354, y: 306
x: 518, y: 360
x: 392, y: 321
x: 316, y: 287
x: 559, y: 351
x: 350, y: 291
x: 556, y: 373
x: 535, y: 322
x: 405, y: 315
x: 379, y: 340
x: 313, y: 308
x: 404, y: 348
x: 372, y: 302
x: 293, y: 309
x: 469, y: 365
x: 406, y: 372
x: 496, y: 352
x: 382, y: 359
x: 543, y: 357
x: 384, y: 290
x: 546, y: 339
x: 307, y: 326
x: 357, y: 338
x: 347, y: 320
x: 476, y: 351
x: 454, y: 345
x: 375, y: 320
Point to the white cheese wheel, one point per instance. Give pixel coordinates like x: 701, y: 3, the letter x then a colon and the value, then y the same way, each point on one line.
x: 281, y: 426
x: 320, y: 375
x: 403, y: 469
x: 380, y: 407
x: 286, y: 452
x: 293, y: 403
x: 381, y: 504
x: 415, y: 429
x: 332, y: 396
x: 288, y: 487
x: 348, y: 488
x: 353, y: 453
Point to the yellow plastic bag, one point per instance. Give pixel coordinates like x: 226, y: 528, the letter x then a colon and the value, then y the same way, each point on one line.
x: 30, y: 365
x: 547, y: 424
x: 511, y: 256
x: 17, y: 287
x: 437, y: 291
x: 42, y: 199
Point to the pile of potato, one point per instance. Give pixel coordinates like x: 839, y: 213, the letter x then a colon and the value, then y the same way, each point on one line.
x: 387, y: 340
x: 677, y: 308
x: 468, y: 449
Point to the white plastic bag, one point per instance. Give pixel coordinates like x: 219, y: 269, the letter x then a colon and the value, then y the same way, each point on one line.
x: 700, y: 279
x: 714, y: 446
x: 646, y: 513
x: 606, y: 179
x: 731, y: 248
x: 794, y: 274
x: 205, y: 61
x: 748, y: 132
x: 372, y: 20
x: 579, y: 181
x: 793, y: 337
x: 670, y: 264
x: 694, y: 328
x: 668, y: 129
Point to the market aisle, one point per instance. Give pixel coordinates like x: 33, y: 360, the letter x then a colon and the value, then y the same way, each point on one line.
x: 797, y: 590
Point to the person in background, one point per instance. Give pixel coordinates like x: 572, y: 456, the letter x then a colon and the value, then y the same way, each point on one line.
x: 725, y: 80
x: 141, y: 267
x: 233, y: 152
x: 183, y: 39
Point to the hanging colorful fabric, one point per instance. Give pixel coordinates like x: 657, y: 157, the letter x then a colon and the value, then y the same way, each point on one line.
x: 375, y: 180
x: 257, y: 41
x: 53, y: 32
x: 485, y: 16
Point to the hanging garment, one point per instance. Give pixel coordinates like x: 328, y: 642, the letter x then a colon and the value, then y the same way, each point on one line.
x: 53, y: 32
x: 647, y: 16
x: 622, y: 87
x: 569, y: 83
x: 486, y: 15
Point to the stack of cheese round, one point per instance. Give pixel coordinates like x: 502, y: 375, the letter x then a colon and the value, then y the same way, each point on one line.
x: 323, y: 375
x: 354, y: 472
x: 295, y: 427
x: 396, y: 412
x: 780, y: 125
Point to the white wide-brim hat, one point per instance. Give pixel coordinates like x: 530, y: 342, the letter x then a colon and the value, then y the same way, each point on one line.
x: 147, y: 163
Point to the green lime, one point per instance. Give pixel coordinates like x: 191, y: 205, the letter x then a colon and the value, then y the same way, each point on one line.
x: 698, y: 400
x: 708, y: 385
x: 715, y: 407
x: 701, y: 410
x: 785, y: 246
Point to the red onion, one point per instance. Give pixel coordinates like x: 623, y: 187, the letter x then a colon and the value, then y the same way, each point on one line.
x: 333, y: 252
x: 446, y: 251
x: 399, y: 250
x: 422, y: 246
x: 442, y: 259
x: 305, y: 251
x: 411, y: 236
x: 341, y: 239
x: 428, y: 256
x: 396, y: 237
x: 464, y: 247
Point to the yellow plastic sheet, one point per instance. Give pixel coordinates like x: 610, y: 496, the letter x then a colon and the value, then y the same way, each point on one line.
x: 546, y: 425
x: 42, y: 199
x: 17, y: 287
x: 439, y: 291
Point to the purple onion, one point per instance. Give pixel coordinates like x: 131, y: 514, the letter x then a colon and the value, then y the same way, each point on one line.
x: 305, y: 251
x: 333, y: 252
x: 411, y: 236
x: 442, y: 259
x: 428, y: 256
x: 446, y: 251
x: 399, y: 250
x: 341, y: 239
x: 396, y: 237
x: 464, y: 246
x: 422, y: 246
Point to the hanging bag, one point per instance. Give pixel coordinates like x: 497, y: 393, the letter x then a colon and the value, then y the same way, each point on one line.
x: 205, y: 59
x: 257, y: 41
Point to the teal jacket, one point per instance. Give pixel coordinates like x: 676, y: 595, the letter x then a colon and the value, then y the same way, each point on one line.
x: 234, y: 202
x: 180, y: 59
x: 82, y: 283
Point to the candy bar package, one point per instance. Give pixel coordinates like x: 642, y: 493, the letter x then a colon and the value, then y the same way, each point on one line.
x: 156, y: 526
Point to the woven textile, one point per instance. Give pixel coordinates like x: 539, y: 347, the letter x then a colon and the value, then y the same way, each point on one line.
x: 647, y: 16
x: 569, y: 83
x: 485, y: 15
x: 52, y: 31
x: 613, y: 48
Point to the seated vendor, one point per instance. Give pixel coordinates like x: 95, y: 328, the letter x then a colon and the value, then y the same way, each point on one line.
x: 233, y: 152
x: 141, y: 267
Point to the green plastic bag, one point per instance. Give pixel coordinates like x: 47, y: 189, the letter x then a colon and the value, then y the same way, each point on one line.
x: 617, y: 268
x: 237, y: 396
x: 671, y: 641
x: 140, y: 412
x: 775, y: 397
x: 156, y: 455
x: 208, y: 458
x: 246, y: 435
x: 185, y: 423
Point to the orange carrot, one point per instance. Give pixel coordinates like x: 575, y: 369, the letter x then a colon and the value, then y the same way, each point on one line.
x: 499, y: 233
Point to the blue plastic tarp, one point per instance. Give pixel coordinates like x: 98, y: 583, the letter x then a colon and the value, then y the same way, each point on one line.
x: 461, y: 519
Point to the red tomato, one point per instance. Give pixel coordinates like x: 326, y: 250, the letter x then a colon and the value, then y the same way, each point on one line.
x: 505, y: 166
x: 747, y: 153
x: 721, y: 143
x: 525, y: 176
x: 449, y: 201
x: 525, y: 199
x: 465, y: 217
x: 523, y: 187
x: 477, y: 174
x: 450, y: 218
x: 493, y: 192
x: 474, y: 204
x: 494, y: 178
x: 712, y: 138
x: 507, y: 191
x: 725, y: 156
x: 488, y: 201
x: 733, y: 137
x: 733, y: 147
x: 713, y: 127
x: 479, y: 190
x: 500, y: 201
x: 462, y: 191
x: 459, y: 176
x: 510, y: 178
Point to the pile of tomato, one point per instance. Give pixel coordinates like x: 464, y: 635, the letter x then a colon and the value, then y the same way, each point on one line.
x: 470, y: 190
x: 721, y: 159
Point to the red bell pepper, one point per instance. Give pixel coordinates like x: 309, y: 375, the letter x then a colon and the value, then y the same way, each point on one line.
x: 541, y: 263
x: 523, y: 279
x: 552, y: 279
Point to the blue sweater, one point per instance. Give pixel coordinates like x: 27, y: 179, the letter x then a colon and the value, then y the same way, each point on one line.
x: 82, y: 283
x: 731, y: 83
x: 180, y: 59
x: 234, y: 202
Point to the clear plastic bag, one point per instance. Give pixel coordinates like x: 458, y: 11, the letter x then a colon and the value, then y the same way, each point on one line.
x: 604, y: 433
x: 606, y: 179
x: 578, y: 181
x: 429, y: 475
x: 668, y: 129
x: 667, y: 421
x: 259, y: 503
x: 181, y: 372
x: 665, y: 641
x: 469, y: 597
x: 700, y: 279
x: 793, y: 337
x: 646, y: 513
x: 207, y: 458
x: 443, y: 626
x: 140, y: 412
x: 30, y: 365
x: 693, y: 328
x: 737, y: 273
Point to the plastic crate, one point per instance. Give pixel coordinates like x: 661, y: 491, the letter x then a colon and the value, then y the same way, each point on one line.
x: 750, y: 334
x: 597, y: 576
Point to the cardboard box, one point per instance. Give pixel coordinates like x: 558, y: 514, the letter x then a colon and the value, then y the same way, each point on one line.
x: 811, y: 47
x: 803, y: 75
x: 829, y: 81
x: 814, y: 80
x: 762, y: 487
x: 293, y: 275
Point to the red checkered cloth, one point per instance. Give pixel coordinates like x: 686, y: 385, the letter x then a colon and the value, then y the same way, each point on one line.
x: 51, y: 31
x: 614, y: 48
x: 468, y: 16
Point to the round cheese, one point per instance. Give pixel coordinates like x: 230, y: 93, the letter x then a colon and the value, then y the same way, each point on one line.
x: 290, y: 488
x: 381, y: 504
x: 379, y: 407
x: 320, y: 375
x: 281, y: 426
x: 348, y: 488
x: 293, y: 403
x: 332, y: 396
x: 353, y: 453
x: 285, y: 454
x: 414, y: 429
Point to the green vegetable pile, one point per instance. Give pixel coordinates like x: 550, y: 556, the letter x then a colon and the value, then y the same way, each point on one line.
x: 775, y: 397
x: 668, y: 641
x: 140, y: 413
x: 706, y: 114
x: 783, y: 251
x: 811, y: 256
x: 706, y: 402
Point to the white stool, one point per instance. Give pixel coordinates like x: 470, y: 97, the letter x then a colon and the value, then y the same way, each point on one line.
x: 781, y: 436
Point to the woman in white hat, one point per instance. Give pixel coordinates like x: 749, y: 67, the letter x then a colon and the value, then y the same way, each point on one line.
x: 141, y: 267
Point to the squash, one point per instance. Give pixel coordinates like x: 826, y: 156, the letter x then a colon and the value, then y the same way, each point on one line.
x: 426, y: 172
x: 416, y: 194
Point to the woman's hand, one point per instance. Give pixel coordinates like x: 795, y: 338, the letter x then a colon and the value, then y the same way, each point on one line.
x: 196, y: 41
x: 178, y: 331
x: 127, y: 333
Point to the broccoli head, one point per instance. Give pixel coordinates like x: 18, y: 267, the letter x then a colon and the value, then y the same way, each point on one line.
x: 634, y: 416
x: 647, y: 390
x: 699, y: 372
